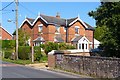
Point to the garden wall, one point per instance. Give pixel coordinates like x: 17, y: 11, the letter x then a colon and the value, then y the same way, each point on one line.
x: 100, y: 67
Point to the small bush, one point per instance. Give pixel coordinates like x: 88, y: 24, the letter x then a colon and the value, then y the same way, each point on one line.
x: 37, y: 53
x: 51, y: 46
x: 24, y: 52
x: 70, y: 47
x: 48, y: 47
x: 44, y: 58
x: 7, y: 54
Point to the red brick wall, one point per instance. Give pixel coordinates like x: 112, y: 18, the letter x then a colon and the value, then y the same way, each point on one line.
x: 5, y: 35
x: 48, y: 31
x: 63, y: 33
x: 89, y: 35
x: 71, y: 30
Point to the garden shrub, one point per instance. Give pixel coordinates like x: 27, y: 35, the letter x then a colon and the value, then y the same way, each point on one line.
x: 48, y: 47
x: 37, y: 53
x: 24, y: 52
x: 7, y: 54
x: 44, y: 58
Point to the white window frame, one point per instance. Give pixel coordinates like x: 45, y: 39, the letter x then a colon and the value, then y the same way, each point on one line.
x: 77, y: 28
x: 83, y: 42
x: 40, y: 27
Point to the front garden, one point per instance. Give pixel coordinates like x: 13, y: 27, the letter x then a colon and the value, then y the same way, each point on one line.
x: 25, y: 52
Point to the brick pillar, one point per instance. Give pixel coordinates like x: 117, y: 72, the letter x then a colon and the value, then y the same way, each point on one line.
x: 51, y: 60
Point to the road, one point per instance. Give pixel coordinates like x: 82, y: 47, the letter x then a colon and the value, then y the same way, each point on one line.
x: 10, y: 70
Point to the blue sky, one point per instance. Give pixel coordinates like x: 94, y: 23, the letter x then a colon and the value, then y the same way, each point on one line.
x: 31, y: 9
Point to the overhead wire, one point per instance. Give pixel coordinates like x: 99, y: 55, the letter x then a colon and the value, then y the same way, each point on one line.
x: 27, y: 9
x: 6, y: 6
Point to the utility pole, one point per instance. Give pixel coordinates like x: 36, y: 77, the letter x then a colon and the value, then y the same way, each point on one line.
x: 16, y: 2
x: 32, y: 47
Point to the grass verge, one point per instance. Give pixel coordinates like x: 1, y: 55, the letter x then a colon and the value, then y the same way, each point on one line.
x: 22, y: 62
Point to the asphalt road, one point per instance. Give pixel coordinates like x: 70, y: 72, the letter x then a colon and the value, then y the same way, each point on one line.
x: 10, y: 70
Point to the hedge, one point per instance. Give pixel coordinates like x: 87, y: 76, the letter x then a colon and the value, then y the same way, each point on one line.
x: 56, y: 46
x: 7, y: 54
x: 37, y: 53
x: 24, y: 52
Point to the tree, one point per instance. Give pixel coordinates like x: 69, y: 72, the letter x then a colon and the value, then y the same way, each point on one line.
x: 23, y: 37
x: 99, y: 33
x: 108, y: 14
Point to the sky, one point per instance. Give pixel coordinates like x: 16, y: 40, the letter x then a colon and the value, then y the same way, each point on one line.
x: 32, y: 9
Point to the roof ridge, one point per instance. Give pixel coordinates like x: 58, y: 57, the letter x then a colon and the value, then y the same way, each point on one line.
x: 51, y: 16
x: 29, y: 18
x: 73, y: 18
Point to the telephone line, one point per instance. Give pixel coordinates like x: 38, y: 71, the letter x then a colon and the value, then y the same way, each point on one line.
x: 6, y: 6
x: 27, y: 9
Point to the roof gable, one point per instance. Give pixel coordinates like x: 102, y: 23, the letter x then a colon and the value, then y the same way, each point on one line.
x: 83, y: 39
x: 5, y: 30
x: 79, y: 39
x: 57, y: 21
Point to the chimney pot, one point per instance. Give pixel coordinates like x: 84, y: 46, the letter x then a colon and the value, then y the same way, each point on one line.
x: 58, y: 15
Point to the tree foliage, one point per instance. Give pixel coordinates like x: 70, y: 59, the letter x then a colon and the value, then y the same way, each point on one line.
x: 23, y: 37
x: 100, y: 32
x: 108, y: 14
x: 8, y: 44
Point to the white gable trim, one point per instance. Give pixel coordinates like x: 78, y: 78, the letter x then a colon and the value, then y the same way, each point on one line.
x: 33, y: 21
x: 38, y: 18
x: 84, y: 38
x: 80, y: 21
x: 73, y: 38
x: 24, y: 22
x: 5, y: 30
x: 43, y: 19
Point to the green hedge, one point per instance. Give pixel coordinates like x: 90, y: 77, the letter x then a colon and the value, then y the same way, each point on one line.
x: 56, y: 46
x: 8, y: 44
x: 24, y: 52
x: 7, y: 54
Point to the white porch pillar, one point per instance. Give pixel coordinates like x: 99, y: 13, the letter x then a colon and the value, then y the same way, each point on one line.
x: 77, y: 45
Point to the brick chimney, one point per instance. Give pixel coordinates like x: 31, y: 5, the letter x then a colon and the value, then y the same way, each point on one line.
x: 58, y: 15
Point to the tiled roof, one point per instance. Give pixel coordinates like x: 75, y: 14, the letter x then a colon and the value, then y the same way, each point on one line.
x: 54, y: 20
x: 59, y: 39
x: 39, y: 39
x: 89, y: 27
x: 77, y: 38
x: 71, y: 20
x: 30, y: 19
x: 58, y: 21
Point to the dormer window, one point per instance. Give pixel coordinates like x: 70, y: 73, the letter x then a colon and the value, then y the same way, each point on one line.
x: 77, y: 29
x: 40, y: 26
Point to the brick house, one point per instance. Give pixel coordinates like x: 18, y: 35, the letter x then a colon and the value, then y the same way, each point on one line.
x: 4, y: 34
x: 55, y: 29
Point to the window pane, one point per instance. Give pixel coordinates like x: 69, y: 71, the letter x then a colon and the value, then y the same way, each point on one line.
x: 86, y: 46
x: 82, y: 46
x: 76, y: 30
x: 79, y: 46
